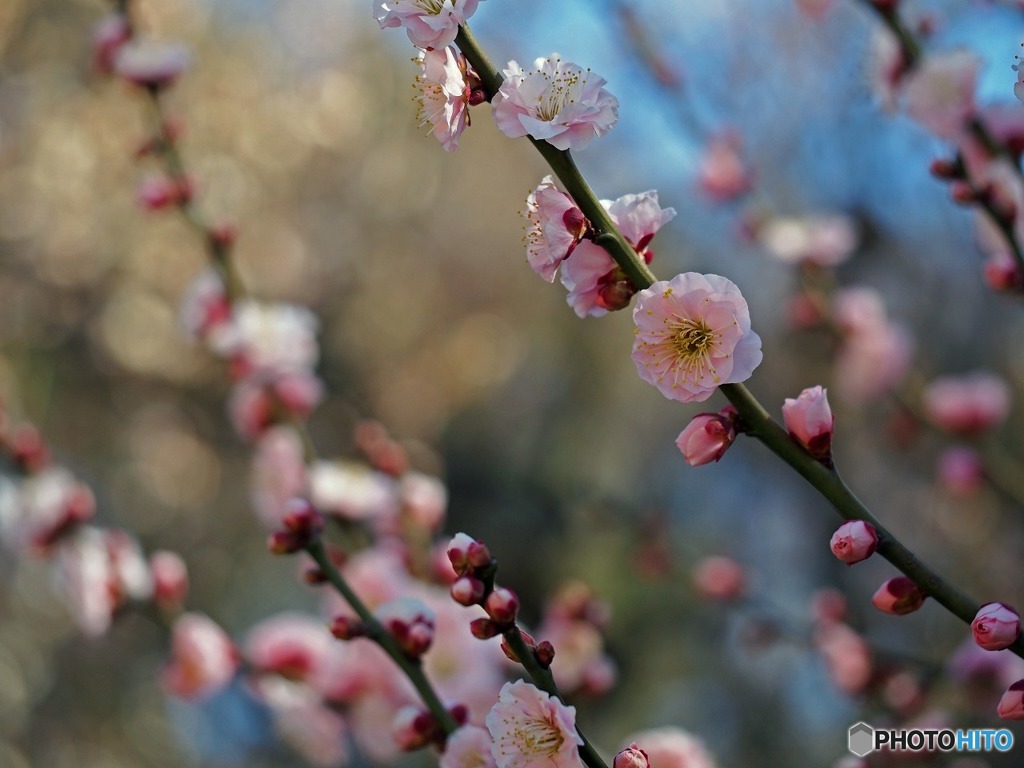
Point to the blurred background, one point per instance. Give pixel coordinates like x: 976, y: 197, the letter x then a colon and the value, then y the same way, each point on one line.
x: 299, y: 126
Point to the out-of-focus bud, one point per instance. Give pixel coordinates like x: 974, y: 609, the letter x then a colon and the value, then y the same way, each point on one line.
x: 898, y: 596
x: 828, y: 606
x: 631, y: 757
x: 810, y: 422
x: 414, y: 728
x: 459, y: 713
x: 170, y: 579
x: 960, y: 471
x: 29, y: 448
x: 302, y: 518
x: 1011, y: 705
x: 854, y: 541
x: 410, y: 622
x: 502, y: 605
x: 151, y: 65
x: 156, y: 192
x: 706, y: 438
x: 347, y: 627
x: 996, y: 626
x: 1002, y: 273
x: 719, y: 578
x: 458, y: 553
x: 108, y: 35
x: 467, y: 590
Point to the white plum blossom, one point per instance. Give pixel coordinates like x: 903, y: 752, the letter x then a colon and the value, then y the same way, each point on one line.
x: 557, y: 101
x: 268, y: 339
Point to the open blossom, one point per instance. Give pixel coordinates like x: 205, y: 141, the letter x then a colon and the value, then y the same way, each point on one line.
x: 204, y: 305
x: 151, y: 65
x: 996, y: 626
x: 203, y: 658
x: 50, y: 504
x: 596, y: 284
x: 875, y: 353
x: 940, y: 92
x: 671, y: 747
x: 443, y: 94
x: 268, y: 339
x: 693, y: 335
x: 556, y: 225
x: 723, y: 175
x: 967, y: 404
x: 530, y: 729
x: 825, y: 240
x: 429, y: 23
x: 557, y: 102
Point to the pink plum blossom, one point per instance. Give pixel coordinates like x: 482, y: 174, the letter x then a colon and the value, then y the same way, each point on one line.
x: 854, y: 541
x: 973, y: 665
x: 898, y: 596
x: 967, y: 404
x: 468, y: 747
x: 557, y: 102
x: 429, y: 23
x: 809, y: 421
x: 170, y: 579
x: 352, y: 491
x: 996, y: 626
x: 672, y: 747
x: 706, y: 438
x: 257, y: 402
x: 204, y: 305
x: 268, y: 339
x: 940, y: 92
x: 846, y: 654
x: 875, y: 353
x: 1002, y: 273
x: 151, y: 65
x: 579, y: 651
x: 278, y: 474
x: 555, y: 226
x: 292, y: 645
x: 303, y: 722
x: 595, y: 282
x: 203, y: 658
x: 631, y: 757
x: 960, y: 470
x: 722, y: 175
x: 719, y: 578
x: 1011, y: 705
x: 424, y: 500
x: 109, y: 34
x: 530, y: 729
x: 824, y: 240
x: 693, y: 335
x: 49, y: 505
x: 156, y: 192
x: 443, y: 94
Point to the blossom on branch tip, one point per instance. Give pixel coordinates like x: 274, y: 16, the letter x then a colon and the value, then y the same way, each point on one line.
x: 692, y: 335
x: 707, y: 437
x: 854, y: 541
x: 809, y: 421
x: 530, y: 729
x: 557, y: 102
x: 151, y: 65
x: 898, y: 596
x: 429, y: 23
x: 996, y: 626
x: 556, y: 225
x: 203, y: 658
x: 1011, y: 705
x: 443, y: 94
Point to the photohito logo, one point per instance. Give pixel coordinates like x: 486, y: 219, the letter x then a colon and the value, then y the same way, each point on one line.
x: 862, y: 740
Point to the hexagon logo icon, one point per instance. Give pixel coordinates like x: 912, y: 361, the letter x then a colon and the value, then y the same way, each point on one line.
x: 861, y: 739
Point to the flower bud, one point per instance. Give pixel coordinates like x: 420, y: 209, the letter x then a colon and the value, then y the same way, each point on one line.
x: 996, y: 626
x: 478, y: 555
x: 810, y: 422
x: 898, y: 596
x: 302, y: 518
x: 1011, y: 705
x: 347, y: 627
x: 706, y: 438
x: 631, y: 757
x: 414, y: 728
x: 283, y: 543
x: 458, y: 553
x: 484, y: 629
x: 459, y: 713
x: 502, y: 605
x: 467, y: 590
x: 854, y: 541
x: 410, y: 622
x: 511, y: 654
x: 719, y: 578
x: 545, y: 653
x: 960, y: 471
x: 170, y: 579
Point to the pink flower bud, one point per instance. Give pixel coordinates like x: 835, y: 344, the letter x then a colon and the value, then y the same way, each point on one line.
x: 1011, y: 705
x: 484, y: 629
x: 898, y: 596
x: 478, y: 555
x: 108, y: 35
x: 283, y: 543
x: 156, y: 192
x: 347, y: 627
x: 969, y: 404
x: 459, y: 713
x: 809, y: 421
x: 170, y: 579
x: 413, y: 728
x: 631, y: 757
x: 151, y: 65
x: 458, y: 553
x: 719, y: 578
x: 527, y: 638
x: 996, y: 626
x: 706, y: 438
x: 960, y: 471
x: 545, y: 653
x: 411, y: 623
x: 854, y: 541
x: 302, y: 518
x: 203, y: 658
x: 467, y: 590
x: 502, y: 605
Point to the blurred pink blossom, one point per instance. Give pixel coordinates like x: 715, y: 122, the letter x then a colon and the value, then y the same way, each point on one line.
x: 429, y: 23
x: 468, y: 747
x: 693, y: 334
x: 109, y: 34
x: 722, y: 175
x: 846, y: 655
x: 278, y: 474
x: 303, y: 722
x: 151, y: 65
x: 719, y: 578
x: 672, y: 747
x: 557, y: 102
x: 960, y: 470
x: 940, y: 92
x: 531, y: 729
x: 968, y: 404
x: 170, y: 579
x: 203, y: 658
x: 268, y: 339
x: 825, y: 240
